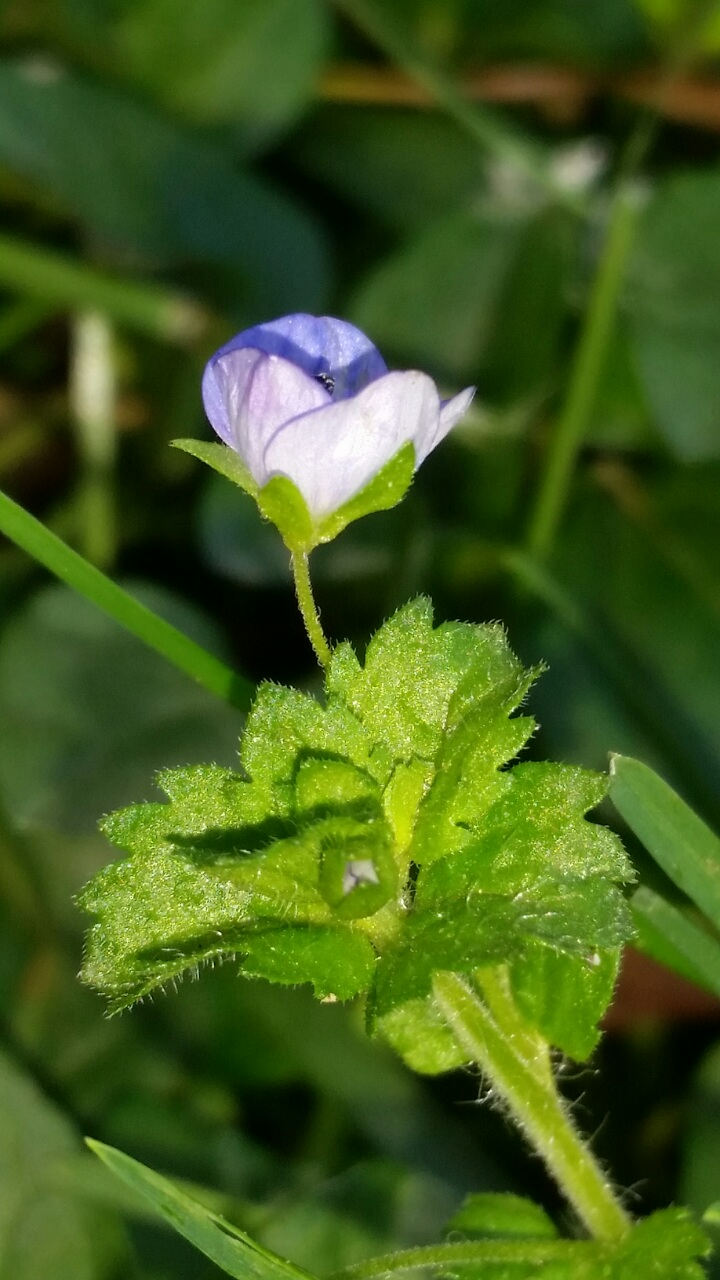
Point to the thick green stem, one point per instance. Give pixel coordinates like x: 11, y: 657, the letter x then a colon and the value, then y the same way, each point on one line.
x: 515, y: 1061
x: 308, y: 608
x: 586, y: 372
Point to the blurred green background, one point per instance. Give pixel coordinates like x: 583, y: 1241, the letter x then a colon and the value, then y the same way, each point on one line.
x: 170, y: 172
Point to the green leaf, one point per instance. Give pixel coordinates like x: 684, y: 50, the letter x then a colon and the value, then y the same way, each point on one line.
x: 668, y: 935
x: 404, y: 167
x: 434, y: 303
x: 226, y: 1245
x: 565, y: 999
x: 501, y: 1214
x: 670, y: 303
x: 408, y: 716
x: 673, y: 18
x: 700, y: 1142
x: 89, y: 713
x: 253, y: 64
x: 686, y: 849
x: 372, y: 842
x: 272, y: 254
x: 46, y: 1229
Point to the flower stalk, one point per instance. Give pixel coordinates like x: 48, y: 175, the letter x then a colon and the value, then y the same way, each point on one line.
x: 308, y: 608
x: 516, y: 1062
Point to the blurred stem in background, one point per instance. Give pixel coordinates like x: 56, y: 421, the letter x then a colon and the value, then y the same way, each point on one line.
x: 492, y: 132
x: 586, y: 372
x: 61, y: 283
x: 93, y: 395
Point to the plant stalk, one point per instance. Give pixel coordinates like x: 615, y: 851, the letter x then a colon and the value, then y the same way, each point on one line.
x: 308, y: 608
x: 586, y: 372
x: 516, y: 1063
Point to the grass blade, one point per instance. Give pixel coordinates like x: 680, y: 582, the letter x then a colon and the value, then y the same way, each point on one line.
x: 38, y: 541
x: 679, y: 841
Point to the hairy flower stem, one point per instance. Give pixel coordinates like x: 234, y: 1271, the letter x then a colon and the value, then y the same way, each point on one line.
x: 308, y: 608
x: 516, y: 1063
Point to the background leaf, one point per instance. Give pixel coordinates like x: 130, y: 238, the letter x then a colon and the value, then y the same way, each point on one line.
x: 44, y: 1227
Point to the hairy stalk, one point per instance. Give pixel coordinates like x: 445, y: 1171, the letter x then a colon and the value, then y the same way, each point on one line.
x: 586, y: 372
x: 516, y: 1062
x: 308, y: 608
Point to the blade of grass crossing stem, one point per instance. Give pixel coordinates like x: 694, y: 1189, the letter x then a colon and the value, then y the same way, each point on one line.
x: 679, y: 841
x: 38, y: 541
x: 667, y: 935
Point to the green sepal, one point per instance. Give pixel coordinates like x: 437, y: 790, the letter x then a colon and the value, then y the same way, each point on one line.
x: 282, y: 503
x: 222, y: 459
x: 384, y: 491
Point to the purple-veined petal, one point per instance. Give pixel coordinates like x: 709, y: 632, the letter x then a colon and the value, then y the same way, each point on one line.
x: 318, y: 345
x: 451, y: 411
x: 331, y: 454
x: 248, y: 395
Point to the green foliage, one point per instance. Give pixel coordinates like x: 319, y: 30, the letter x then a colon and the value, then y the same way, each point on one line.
x: 670, y: 936
x: 672, y: 285
x: 302, y: 865
x: 231, y: 1249
x: 509, y: 1239
x: 686, y: 849
x: 65, y: 670
x: 501, y: 1214
x: 251, y: 64
x: 45, y: 1229
x: 217, y: 214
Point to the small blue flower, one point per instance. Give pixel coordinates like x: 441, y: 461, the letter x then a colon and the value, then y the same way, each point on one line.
x: 310, y: 399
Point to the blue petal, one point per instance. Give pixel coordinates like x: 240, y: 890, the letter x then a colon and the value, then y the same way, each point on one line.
x: 319, y: 345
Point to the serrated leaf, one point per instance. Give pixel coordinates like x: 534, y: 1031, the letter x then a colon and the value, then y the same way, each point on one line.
x: 371, y: 842
x: 565, y: 996
x: 402, y: 694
